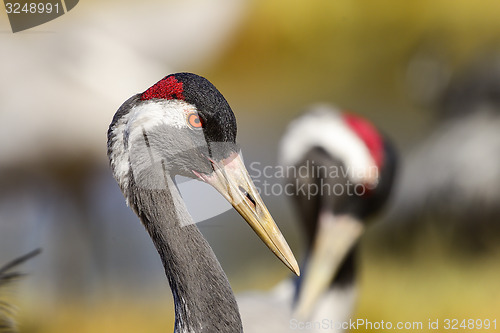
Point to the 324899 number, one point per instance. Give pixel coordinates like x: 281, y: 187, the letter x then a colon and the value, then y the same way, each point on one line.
x: 469, y: 324
x: 31, y: 8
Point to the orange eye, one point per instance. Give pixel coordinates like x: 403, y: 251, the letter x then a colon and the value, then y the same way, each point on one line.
x: 194, y: 120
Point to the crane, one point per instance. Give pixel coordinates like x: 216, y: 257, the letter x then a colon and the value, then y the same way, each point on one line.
x: 182, y: 125
x: 350, y: 171
x: 339, y: 170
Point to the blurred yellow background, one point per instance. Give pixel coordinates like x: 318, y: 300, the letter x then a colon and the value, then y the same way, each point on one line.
x: 390, y: 61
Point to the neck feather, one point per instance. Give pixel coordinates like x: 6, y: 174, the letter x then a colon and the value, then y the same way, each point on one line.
x: 204, y: 301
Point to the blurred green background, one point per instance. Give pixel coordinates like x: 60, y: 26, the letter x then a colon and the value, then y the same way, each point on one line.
x: 390, y: 61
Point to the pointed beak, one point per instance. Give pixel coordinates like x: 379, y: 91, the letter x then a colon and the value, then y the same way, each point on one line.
x: 335, y: 237
x: 231, y: 179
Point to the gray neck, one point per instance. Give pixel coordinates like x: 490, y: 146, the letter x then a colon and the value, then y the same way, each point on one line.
x: 204, y: 301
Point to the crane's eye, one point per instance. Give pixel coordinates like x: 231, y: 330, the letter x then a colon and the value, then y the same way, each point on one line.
x: 194, y: 120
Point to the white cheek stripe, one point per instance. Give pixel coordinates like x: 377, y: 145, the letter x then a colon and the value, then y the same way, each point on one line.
x: 324, y: 127
x: 152, y: 113
x: 144, y: 117
x: 119, y: 154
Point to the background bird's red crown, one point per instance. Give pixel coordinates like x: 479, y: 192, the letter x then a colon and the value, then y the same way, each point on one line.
x: 369, y: 134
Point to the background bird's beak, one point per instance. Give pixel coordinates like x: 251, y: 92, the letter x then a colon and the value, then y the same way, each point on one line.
x: 231, y: 179
x: 335, y: 237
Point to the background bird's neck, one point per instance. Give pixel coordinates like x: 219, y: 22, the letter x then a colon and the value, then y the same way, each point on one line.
x: 204, y: 301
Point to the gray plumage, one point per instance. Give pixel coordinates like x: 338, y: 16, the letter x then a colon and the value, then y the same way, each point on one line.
x: 204, y: 301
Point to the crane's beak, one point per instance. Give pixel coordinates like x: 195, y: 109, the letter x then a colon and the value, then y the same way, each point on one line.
x: 335, y: 237
x: 231, y: 179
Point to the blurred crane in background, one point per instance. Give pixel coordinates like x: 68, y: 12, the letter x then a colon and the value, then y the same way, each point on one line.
x: 450, y: 179
x: 340, y: 170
